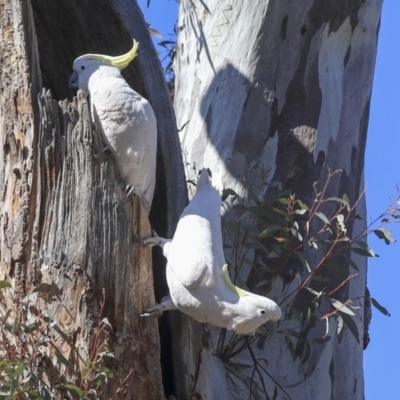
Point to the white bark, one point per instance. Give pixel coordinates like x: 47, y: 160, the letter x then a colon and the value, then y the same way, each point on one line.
x: 279, y: 91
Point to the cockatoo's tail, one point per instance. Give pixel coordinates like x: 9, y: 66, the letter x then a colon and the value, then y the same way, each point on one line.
x: 119, y: 62
x: 225, y: 276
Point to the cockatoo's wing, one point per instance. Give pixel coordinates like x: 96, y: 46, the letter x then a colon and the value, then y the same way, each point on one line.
x: 121, y: 118
x: 129, y: 125
x: 125, y: 118
x: 191, y: 264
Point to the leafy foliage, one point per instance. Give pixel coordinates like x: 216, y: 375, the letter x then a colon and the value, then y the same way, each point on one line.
x: 27, y: 350
x: 309, y: 245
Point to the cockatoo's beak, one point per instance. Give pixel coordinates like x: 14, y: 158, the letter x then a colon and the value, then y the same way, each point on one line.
x: 74, y: 81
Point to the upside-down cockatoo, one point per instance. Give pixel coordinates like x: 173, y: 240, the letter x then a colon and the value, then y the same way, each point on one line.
x: 197, y: 273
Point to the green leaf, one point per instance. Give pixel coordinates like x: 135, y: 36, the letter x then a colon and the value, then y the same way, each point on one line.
x: 4, y: 284
x: 296, y: 234
x: 315, y: 293
x: 249, y: 262
x: 339, y: 325
x: 364, y: 252
x: 351, y: 325
x: 346, y: 199
x: 165, y: 42
x: 269, y: 230
x: 306, y: 352
x: 379, y: 307
x: 265, y: 214
x: 62, y: 359
x: 281, y: 240
x: 353, y: 264
x: 385, y: 234
x: 271, y: 198
x: 322, y: 340
x: 19, y: 370
x: 320, y: 278
x: 273, y: 254
x: 340, y: 306
x: 341, y: 201
x: 73, y: 388
x: 237, y: 365
x: 284, y: 201
x: 253, y: 245
x: 263, y: 282
x: 302, y: 205
x: 303, y: 260
x: 323, y: 218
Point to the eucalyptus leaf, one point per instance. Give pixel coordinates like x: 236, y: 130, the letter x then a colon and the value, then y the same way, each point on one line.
x: 351, y: 325
x: 341, y: 201
x: 379, y: 307
x: 340, y: 306
x: 324, y: 218
x: 267, y: 232
x: 385, y: 234
x: 303, y: 260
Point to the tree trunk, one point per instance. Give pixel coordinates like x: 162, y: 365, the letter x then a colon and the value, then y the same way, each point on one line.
x: 68, y: 228
x: 271, y: 94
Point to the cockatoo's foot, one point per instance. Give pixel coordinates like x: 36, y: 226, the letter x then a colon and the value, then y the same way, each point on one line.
x: 155, y: 311
x: 155, y: 240
x: 151, y: 241
x: 158, y: 309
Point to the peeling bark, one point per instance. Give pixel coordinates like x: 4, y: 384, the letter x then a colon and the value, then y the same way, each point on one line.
x: 66, y: 223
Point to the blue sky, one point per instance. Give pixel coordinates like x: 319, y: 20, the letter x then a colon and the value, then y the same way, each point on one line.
x: 381, y: 359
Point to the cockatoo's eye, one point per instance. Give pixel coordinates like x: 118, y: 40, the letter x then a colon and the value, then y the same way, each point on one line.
x: 262, y: 312
x: 82, y: 67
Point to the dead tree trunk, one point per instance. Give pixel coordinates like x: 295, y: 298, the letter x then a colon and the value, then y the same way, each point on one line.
x: 270, y: 94
x: 68, y: 228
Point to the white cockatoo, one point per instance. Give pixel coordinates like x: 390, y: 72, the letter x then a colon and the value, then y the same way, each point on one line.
x: 125, y: 118
x: 197, y: 274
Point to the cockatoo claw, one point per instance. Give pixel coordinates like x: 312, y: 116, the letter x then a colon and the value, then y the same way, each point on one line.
x: 158, y: 309
x: 151, y: 241
x: 155, y: 311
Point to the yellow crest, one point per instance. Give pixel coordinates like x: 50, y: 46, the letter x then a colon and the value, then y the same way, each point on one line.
x: 119, y: 62
x: 231, y: 286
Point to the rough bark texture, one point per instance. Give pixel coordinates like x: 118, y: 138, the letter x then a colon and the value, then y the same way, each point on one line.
x: 66, y: 222
x: 87, y: 241
x: 280, y: 91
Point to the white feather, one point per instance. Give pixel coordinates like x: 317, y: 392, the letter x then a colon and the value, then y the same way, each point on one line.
x: 126, y: 120
x: 194, y: 271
